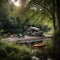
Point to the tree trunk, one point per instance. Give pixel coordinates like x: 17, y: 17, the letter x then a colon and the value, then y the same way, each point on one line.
x: 53, y: 15
x: 54, y: 25
x: 58, y: 12
x: 56, y: 46
x: 54, y: 22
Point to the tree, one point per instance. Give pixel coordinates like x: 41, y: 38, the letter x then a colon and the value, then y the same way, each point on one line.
x: 56, y: 45
x: 46, y: 8
x: 58, y: 12
x: 4, y: 14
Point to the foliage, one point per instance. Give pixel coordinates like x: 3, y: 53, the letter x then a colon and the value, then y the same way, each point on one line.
x: 3, y: 17
x: 18, y: 23
x: 12, y: 51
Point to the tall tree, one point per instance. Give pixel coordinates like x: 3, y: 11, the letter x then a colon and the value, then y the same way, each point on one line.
x: 58, y: 12
x: 4, y: 13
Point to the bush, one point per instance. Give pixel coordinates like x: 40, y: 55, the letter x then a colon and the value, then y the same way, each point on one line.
x: 14, y: 52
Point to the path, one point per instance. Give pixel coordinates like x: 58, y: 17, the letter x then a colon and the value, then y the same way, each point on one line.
x: 26, y: 38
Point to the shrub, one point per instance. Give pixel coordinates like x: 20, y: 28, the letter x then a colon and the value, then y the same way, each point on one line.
x: 14, y: 52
